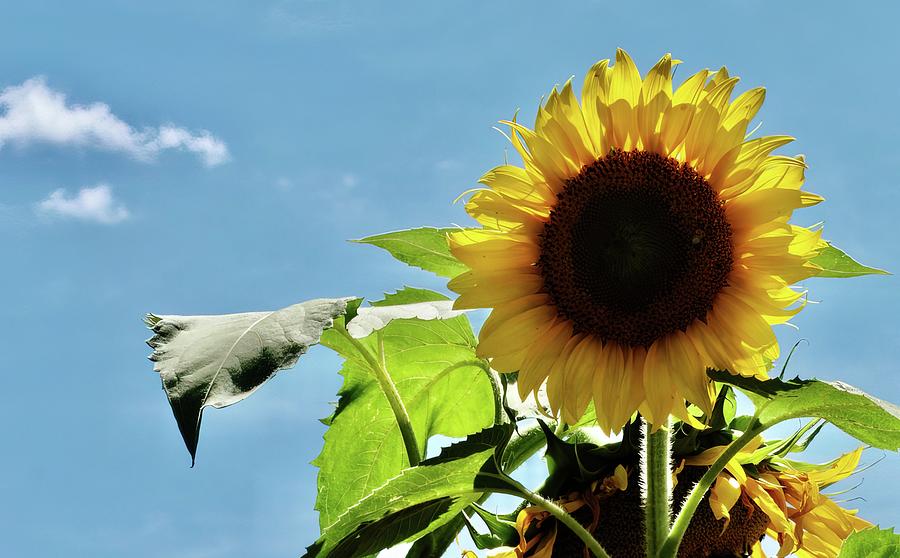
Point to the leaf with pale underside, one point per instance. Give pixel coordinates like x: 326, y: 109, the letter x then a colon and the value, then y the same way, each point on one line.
x: 836, y: 263
x: 425, y: 248
x: 216, y: 361
x: 373, y: 318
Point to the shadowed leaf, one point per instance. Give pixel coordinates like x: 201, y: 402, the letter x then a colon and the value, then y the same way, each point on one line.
x: 418, y: 500
x: 866, y: 418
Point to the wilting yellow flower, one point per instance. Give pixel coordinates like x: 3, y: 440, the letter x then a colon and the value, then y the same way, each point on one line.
x: 538, y: 529
x: 801, y: 518
x: 644, y: 240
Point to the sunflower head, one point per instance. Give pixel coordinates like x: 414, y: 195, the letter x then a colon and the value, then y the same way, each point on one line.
x: 746, y: 503
x: 610, y: 508
x: 644, y: 239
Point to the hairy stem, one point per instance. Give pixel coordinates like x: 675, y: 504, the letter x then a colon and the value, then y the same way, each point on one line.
x: 379, y: 368
x: 657, y: 472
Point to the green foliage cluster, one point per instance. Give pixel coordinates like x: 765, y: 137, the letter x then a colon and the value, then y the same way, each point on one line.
x: 411, y: 373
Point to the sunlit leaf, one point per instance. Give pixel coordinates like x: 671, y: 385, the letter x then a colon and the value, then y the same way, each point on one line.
x: 425, y: 247
x: 444, y: 388
x: 871, y: 543
x: 835, y: 263
x: 216, y: 361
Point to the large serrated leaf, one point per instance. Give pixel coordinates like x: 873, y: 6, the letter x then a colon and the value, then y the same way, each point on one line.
x: 442, y: 384
x: 419, y: 499
x: 216, y: 361
x: 866, y: 418
x: 871, y: 543
x: 425, y: 248
x: 836, y: 263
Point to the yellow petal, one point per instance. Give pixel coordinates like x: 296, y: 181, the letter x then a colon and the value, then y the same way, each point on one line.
x: 659, y: 387
x: 680, y: 114
x: 624, y: 94
x: 514, y: 183
x: 837, y: 470
x: 542, y: 355
x: 556, y: 377
x: 578, y: 379
x: 517, y: 333
x: 722, y: 497
x: 596, y: 84
x: 655, y: 99
x: 620, y: 478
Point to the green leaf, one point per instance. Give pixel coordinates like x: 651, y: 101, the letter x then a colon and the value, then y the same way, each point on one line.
x: 871, y: 543
x: 441, y: 382
x: 417, y: 501
x: 425, y: 248
x: 409, y: 295
x: 857, y: 413
x: 216, y: 361
x: 835, y: 263
x: 502, y: 531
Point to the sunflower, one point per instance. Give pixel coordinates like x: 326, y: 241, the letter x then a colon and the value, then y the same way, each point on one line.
x: 802, y: 519
x: 644, y: 239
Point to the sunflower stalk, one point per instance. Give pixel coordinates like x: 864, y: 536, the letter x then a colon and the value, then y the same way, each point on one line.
x: 657, y: 482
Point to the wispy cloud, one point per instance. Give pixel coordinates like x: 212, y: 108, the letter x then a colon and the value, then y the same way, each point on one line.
x: 95, y: 204
x: 304, y: 17
x: 34, y: 113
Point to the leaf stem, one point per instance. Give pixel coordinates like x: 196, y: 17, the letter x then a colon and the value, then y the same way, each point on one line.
x: 670, y: 547
x: 657, y: 471
x: 379, y: 368
x: 561, y: 515
x: 497, y: 389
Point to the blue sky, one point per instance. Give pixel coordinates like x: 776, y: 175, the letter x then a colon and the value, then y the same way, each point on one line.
x: 224, y: 151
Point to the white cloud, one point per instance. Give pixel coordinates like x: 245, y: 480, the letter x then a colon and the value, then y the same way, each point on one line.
x: 89, y: 204
x: 284, y: 184
x: 35, y: 113
x: 447, y: 165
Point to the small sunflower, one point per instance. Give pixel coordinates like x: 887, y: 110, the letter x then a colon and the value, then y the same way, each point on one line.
x: 802, y: 519
x: 645, y: 239
x: 775, y: 498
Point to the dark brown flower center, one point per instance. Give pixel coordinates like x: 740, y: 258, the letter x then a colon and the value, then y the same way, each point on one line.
x: 637, y: 247
x: 620, y: 525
